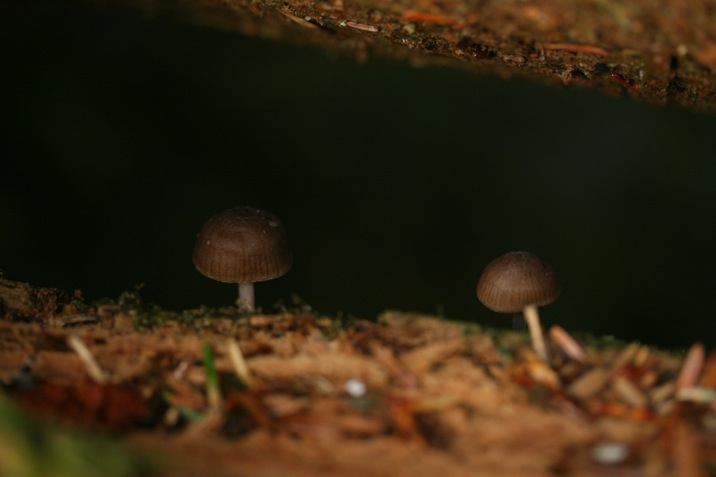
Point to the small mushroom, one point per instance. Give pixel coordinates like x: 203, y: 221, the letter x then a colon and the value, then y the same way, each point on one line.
x: 519, y: 282
x: 243, y: 245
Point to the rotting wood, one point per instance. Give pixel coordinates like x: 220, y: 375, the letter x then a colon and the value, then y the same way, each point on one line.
x: 661, y: 51
x: 434, y: 396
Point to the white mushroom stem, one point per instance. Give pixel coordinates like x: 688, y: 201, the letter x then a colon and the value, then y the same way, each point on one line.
x: 246, y: 296
x: 532, y: 319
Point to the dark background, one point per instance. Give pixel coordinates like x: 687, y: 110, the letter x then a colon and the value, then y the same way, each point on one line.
x: 397, y: 185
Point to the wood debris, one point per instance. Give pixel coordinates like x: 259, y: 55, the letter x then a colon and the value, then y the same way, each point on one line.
x: 446, y: 398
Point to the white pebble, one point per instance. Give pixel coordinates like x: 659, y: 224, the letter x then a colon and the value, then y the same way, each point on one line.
x: 355, y: 388
x: 610, y: 453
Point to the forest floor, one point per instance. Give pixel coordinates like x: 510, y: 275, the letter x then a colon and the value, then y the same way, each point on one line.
x: 300, y: 394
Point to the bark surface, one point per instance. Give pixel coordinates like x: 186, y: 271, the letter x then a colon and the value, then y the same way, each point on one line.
x: 660, y: 51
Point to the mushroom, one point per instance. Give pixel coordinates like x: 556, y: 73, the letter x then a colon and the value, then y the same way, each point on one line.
x: 243, y: 245
x: 519, y: 282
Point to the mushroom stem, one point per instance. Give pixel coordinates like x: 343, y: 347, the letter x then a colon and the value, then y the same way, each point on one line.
x: 246, y: 296
x: 518, y: 322
x: 532, y: 318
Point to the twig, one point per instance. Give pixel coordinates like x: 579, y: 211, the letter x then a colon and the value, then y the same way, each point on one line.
x: 576, y: 48
x: 240, y: 367
x: 85, y: 355
x: 568, y: 344
x: 361, y: 26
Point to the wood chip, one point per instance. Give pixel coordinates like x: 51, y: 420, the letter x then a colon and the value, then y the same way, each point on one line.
x: 691, y: 368
x: 333, y: 366
x: 626, y: 356
x: 708, y: 375
x: 629, y: 392
x: 590, y: 383
x: 422, y: 359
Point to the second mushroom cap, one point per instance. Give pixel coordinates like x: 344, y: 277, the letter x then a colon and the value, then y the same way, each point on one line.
x: 515, y: 280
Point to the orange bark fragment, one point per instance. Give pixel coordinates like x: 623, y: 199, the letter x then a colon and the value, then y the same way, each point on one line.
x: 417, y: 16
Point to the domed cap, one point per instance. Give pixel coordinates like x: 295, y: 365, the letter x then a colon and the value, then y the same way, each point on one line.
x: 243, y: 245
x: 515, y: 280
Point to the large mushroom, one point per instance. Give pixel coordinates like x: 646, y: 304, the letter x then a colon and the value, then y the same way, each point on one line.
x: 519, y: 282
x: 243, y: 245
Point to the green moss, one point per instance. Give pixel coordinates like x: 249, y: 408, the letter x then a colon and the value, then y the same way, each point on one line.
x: 29, y: 449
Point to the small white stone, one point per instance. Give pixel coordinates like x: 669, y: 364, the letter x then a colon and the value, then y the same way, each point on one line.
x: 355, y: 388
x: 610, y: 453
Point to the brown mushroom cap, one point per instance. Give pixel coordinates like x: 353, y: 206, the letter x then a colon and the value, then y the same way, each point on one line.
x: 515, y: 280
x: 243, y: 245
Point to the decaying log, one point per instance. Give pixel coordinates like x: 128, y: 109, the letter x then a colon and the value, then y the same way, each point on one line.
x: 661, y: 51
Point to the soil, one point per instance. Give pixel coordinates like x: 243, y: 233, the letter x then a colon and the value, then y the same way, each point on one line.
x: 297, y: 393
